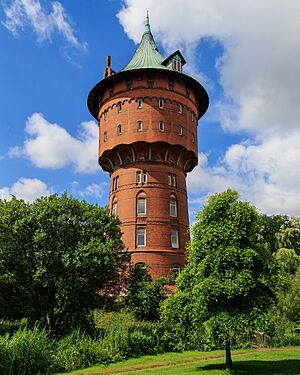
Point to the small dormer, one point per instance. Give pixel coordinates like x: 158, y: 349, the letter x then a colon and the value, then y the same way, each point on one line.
x: 175, y: 61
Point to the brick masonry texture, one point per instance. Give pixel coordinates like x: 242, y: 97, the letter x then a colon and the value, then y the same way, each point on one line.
x: 159, y: 151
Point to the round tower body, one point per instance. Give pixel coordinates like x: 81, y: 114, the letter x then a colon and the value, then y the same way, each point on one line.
x: 148, y: 119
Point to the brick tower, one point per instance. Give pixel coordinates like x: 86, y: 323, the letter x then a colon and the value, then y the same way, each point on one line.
x: 148, y: 115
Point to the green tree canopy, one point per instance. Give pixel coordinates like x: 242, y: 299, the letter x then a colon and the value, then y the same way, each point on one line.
x: 56, y: 256
x: 226, y: 289
x: 289, y: 236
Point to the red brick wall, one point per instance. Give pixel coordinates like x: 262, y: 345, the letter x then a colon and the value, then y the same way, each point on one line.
x: 149, y: 150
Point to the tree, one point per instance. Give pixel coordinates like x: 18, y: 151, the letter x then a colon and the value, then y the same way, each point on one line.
x: 226, y: 289
x: 145, y: 295
x: 269, y: 227
x: 289, y: 236
x: 56, y: 255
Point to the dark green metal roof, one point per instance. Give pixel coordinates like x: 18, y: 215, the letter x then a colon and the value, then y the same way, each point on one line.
x: 147, y: 54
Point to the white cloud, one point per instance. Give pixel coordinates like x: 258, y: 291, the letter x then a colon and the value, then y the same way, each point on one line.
x: 266, y: 172
x: 50, y: 146
x: 259, y: 75
x: 25, y: 188
x: 94, y: 190
x: 22, y: 13
x: 259, y: 65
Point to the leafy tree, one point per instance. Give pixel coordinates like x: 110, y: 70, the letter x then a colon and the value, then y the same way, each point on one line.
x: 145, y: 295
x: 224, y: 293
x: 289, y: 236
x: 56, y: 256
x: 269, y: 227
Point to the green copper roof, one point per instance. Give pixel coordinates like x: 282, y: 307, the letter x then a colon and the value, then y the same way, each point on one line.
x: 147, y: 54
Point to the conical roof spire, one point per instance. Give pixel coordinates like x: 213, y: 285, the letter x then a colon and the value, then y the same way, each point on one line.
x: 147, y: 54
x: 147, y: 25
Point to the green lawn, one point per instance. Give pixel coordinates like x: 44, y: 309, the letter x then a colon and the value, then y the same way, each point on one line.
x: 257, y: 362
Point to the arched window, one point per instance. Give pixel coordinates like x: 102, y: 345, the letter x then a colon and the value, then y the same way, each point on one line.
x: 180, y: 130
x: 119, y: 107
x: 141, y: 204
x: 162, y: 126
x: 161, y: 103
x: 175, y: 269
x: 179, y: 108
x: 114, y: 208
x: 105, y: 136
x: 173, y: 206
x: 119, y: 129
x: 141, y: 266
x: 139, y: 126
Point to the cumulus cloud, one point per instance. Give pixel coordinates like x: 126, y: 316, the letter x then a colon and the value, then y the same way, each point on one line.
x: 49, y: 145
x: 259, y: 64
x: 258, y: 75
x: 266, y: 173
x: 94, y: 190
x: 30, y: 13
x: 28, y: 189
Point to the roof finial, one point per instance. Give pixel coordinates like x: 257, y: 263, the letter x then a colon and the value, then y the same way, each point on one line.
x: 147, y: 25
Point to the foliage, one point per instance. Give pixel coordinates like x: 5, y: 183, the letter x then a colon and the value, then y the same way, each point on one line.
x: 269, y: 226
x: 289, y: 236
x: 224, y: 293
x: 55, y: 256
x: 145, y: 295
x: 31, y: 352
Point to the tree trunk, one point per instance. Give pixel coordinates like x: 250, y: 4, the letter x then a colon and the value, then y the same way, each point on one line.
x: 229, y: 365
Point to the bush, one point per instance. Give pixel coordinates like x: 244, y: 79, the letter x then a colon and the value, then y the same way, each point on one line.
x: 75, y: 351
x: 145, y: 295
x: 5, y: 359
x: 31, y: 352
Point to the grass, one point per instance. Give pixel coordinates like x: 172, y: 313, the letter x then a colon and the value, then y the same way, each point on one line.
x: 256, y: 362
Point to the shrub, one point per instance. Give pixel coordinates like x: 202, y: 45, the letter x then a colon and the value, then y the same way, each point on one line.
x: 75, y: 351
x: 31, y: 352
x: 5, y: 359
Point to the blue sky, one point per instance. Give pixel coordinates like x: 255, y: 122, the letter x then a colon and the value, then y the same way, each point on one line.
x: 246, y: 54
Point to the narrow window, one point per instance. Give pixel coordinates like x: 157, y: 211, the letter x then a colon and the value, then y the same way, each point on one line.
x: 105, y: 136
x: 139, y: 103
x: 176, y: 268
x: 114, y: 208
x: 171, y: 84
x: 170, y: 179
x: 138, y: 177
x: 180, y: 130
x: 174, y: 179
x: 105, y: 115
x: 179, y: 108
x: 174, y: 238
x: 119, y: 129
x: 193, y: 117
x: 139, y: 126
x: 117, y: 183
x: 119, y: 107
x: 141, y: 206
x: 173, y: 207
x: 141, y: 236
x: 162, y: 126
x: 193, y: 138
x: 161, y: 103
x: 145, y: 177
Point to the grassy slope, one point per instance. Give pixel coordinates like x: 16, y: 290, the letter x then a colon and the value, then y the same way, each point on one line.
x: 257, y: 362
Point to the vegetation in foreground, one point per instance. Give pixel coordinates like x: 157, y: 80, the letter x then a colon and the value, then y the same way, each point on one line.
x: 247, y: 362
x: 57, y: 253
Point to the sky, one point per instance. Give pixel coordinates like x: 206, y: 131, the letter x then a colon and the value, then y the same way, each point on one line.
x: 245, y: 53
